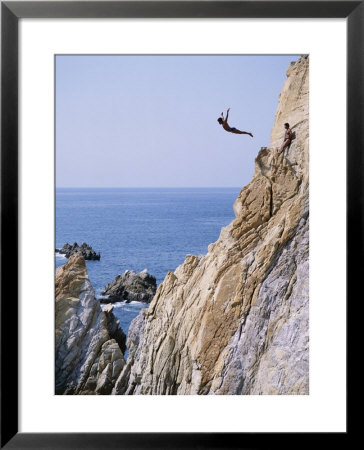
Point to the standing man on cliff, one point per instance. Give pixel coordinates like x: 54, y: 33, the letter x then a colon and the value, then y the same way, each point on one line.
x: 287, y: 137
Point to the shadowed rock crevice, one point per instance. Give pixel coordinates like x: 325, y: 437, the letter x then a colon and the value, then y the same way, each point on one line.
x: 113, y: 327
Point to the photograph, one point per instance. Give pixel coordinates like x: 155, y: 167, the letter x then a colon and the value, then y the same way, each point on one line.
x: 181, y: 224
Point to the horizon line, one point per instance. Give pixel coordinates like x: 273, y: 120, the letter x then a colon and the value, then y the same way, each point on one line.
x: 147, y: 187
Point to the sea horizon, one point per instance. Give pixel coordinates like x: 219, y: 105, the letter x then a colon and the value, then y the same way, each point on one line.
x: 137, y: 228
x: 149, y: 187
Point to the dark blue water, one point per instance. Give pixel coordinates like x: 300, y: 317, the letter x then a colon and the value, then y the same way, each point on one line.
x: 140, y: 228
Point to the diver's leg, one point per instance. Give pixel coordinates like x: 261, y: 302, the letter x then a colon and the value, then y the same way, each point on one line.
x: 285, y: 144
x: 236, y: 131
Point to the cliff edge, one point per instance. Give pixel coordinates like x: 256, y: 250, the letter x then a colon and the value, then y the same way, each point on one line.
x: 88, y: 340
x: 235, y: 321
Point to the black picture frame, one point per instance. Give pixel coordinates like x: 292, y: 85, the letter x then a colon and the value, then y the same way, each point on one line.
x: 11, y: 12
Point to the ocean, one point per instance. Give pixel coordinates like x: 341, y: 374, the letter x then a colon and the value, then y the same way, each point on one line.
x: 140, y: 228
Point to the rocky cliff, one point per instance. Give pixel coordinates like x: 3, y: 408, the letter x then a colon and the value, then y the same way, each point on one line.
x: 235, y: 321
x: 88, y: 339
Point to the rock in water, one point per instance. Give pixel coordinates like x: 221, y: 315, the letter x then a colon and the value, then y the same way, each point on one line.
x: 88, y: 356
x: 85, y: 250
x: 236, y: 320
x: 131, y: 286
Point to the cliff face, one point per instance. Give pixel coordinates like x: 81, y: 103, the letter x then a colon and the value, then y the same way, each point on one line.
x: 88, y: 359
x: 235, y: 321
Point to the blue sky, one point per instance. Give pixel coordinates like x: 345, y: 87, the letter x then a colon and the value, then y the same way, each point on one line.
x: 151, y: 121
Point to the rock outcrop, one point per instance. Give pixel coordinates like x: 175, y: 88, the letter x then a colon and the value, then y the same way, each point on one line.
x: 85, y: 250
x: 131, y: 286
x: 235, y: 321
x: 88, y: 354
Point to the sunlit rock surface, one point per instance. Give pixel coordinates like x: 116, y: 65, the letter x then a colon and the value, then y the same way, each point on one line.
x: 88, y: 359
